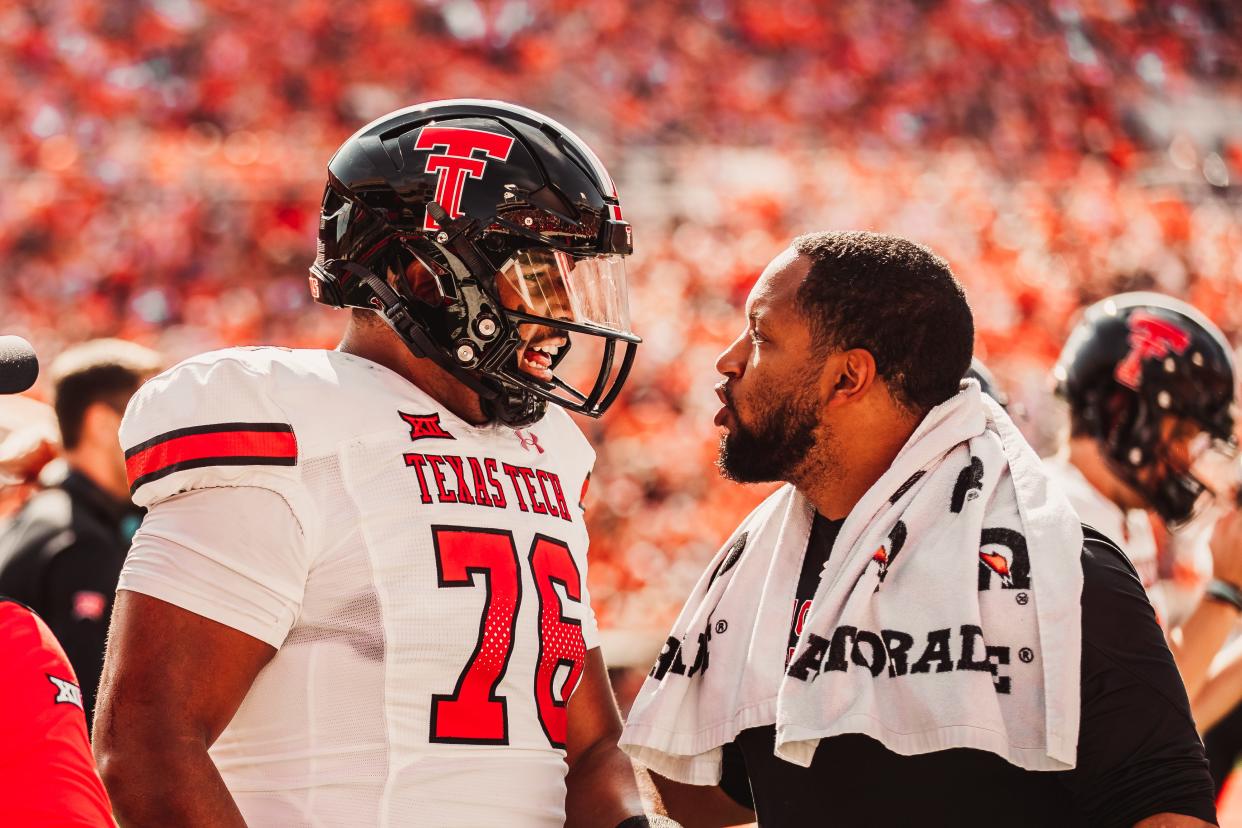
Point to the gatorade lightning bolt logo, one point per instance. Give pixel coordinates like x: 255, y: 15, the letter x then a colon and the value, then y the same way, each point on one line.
x: 1003, y: 553
x: 458, y: 162
x: 999, y: 563
x: 1150, y: 338
x: 887, y: 553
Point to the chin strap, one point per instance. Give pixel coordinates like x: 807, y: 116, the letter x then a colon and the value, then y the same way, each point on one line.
x: 515, y: 406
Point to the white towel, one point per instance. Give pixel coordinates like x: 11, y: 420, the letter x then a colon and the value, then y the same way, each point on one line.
x: 947, y: 616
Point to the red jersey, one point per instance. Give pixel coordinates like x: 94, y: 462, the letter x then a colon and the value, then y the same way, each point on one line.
x: 47, y: 773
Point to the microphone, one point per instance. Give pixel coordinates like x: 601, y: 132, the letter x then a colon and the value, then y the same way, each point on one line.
x: 19, y: 367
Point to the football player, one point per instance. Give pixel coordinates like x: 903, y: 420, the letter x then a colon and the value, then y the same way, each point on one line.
x: 1150, y: 385
x: 360, y: 594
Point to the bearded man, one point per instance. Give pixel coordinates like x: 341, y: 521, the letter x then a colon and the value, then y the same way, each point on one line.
x: 915, y: 629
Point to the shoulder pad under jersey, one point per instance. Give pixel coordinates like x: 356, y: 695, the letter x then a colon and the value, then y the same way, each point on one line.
x: 210, y: 421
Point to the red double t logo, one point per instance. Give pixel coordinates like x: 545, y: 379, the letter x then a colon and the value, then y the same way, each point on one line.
x: 458, y: 162
x: 1151, y: 337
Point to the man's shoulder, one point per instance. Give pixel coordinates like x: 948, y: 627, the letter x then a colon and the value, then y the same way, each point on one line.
x: 25, y: 636
x: 1117, y: 616
x: 257, y: 370
x: 1103, y: 558
x: 1138, y: 752
x: 1108, y: 576
x: 301, y: 388
x: 227, y: 417
x: 18, y: 620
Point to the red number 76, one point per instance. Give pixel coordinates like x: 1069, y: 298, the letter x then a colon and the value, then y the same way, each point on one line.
x: 473, y: 713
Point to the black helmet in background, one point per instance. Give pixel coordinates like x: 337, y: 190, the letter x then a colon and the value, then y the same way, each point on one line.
x: 1137, y: 368
x: 987, y: 382
x: 460, y: 222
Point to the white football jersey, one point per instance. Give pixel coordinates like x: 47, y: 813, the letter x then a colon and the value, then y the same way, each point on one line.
x: 1129, y: 529
x: 422, y: 579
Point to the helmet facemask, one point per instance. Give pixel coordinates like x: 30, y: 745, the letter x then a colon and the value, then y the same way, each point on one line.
x: 553, y: 297
x: 506, y: 330
x: 1174, y: 459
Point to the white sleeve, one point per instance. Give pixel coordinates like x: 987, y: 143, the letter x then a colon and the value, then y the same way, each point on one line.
x: 212, y: 421
x: 590, y: 628
x: 236, y: 555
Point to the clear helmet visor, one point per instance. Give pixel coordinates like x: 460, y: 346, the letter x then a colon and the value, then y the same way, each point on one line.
x: 552, y: 296
x: 555, y: 285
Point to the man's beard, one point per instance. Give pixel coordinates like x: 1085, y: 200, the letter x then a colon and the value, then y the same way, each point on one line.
x: 775, y: 447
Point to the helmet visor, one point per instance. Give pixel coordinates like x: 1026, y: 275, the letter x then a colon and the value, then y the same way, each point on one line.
x: 1214, y: 463
x: 555, y: 285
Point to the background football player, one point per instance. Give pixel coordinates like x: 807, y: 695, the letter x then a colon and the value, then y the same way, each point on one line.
x: 359, y: 597
x: 1150, y: 385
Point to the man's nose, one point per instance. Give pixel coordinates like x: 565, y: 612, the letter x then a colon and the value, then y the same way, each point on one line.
x: 732, y: 362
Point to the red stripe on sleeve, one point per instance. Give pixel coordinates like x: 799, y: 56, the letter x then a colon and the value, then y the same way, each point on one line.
x: 219, y: 444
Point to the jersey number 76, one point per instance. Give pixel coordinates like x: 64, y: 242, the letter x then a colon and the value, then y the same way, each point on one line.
x: 473, y: 713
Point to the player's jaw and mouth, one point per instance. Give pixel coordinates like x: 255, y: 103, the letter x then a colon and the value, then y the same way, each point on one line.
x: 537, y: 350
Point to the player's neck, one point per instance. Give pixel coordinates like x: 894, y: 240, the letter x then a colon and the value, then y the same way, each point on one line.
x: 1085, y: 455
x: 380, y: 345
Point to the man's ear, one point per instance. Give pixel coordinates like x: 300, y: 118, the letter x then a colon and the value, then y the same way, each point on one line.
x: 847, y: 377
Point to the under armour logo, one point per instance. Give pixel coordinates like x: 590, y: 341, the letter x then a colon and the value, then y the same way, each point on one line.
x: 458, y: 162
x: 1151, y: 337
x: 528, y: 440
x: 67, y: 691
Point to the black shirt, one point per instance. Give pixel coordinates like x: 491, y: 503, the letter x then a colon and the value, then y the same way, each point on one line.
x: 1138, y: 751
x: 61, y: 555
x: 823, y: 534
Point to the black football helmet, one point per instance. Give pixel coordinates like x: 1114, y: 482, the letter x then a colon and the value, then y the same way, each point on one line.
x: 1133, y: 360
x: 461, y: 220
x: 987, y: 382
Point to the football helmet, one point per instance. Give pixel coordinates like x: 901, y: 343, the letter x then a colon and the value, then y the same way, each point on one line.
x: 485, y: 235
x: 987, y: 382
x: 1133, y: 361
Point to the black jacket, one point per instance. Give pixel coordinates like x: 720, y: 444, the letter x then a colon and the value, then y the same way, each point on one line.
x: 61, y: 555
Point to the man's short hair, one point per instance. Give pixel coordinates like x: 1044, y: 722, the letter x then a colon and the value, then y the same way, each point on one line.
x: 895, y: 299
x: 105, y: 371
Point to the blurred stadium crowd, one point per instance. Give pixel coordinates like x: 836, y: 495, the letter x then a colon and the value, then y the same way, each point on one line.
x: 161, y: 164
